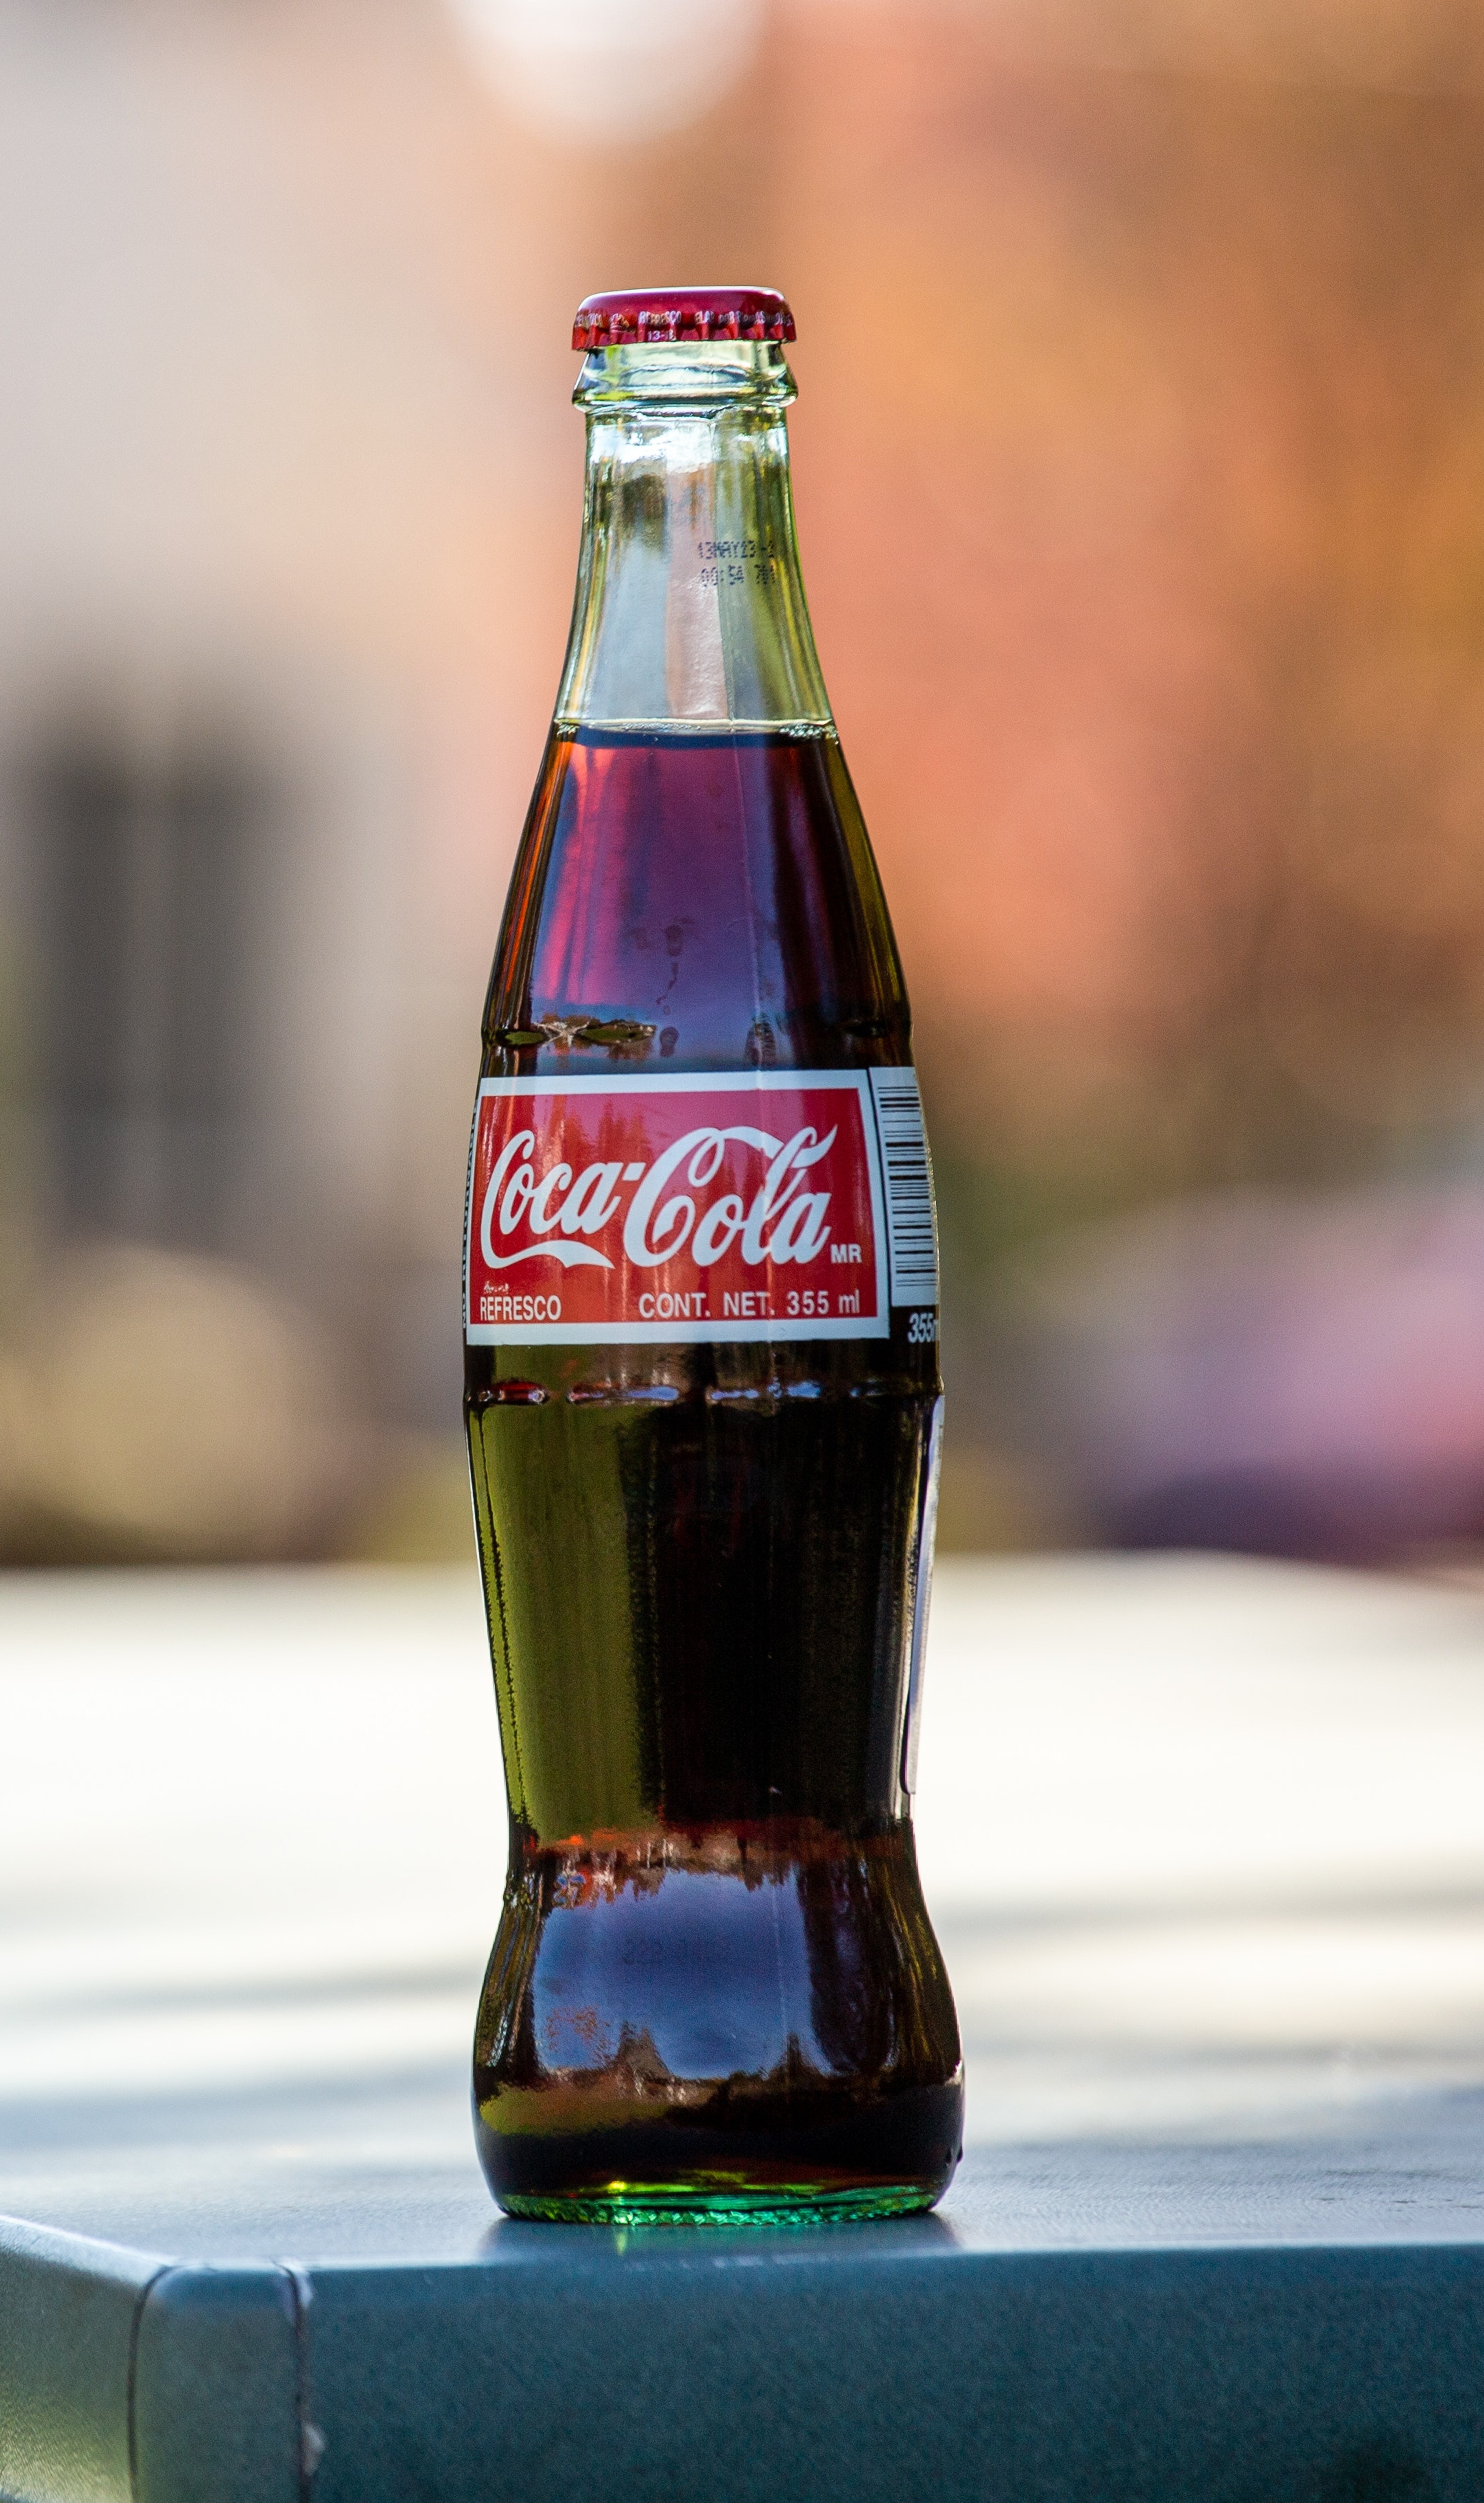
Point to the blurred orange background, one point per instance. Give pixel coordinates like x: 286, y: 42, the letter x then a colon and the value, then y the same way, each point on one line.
x: 1140, y: 472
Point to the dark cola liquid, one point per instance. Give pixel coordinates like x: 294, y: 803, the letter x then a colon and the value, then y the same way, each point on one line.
x: 714, y: 1991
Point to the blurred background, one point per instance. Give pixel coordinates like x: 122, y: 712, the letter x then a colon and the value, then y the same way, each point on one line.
x: 1140, y: 467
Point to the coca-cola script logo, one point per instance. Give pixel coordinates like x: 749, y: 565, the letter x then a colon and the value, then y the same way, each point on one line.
x: 675, y: 1208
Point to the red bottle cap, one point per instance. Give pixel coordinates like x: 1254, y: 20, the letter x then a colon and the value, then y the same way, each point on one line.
x: 630, y: 316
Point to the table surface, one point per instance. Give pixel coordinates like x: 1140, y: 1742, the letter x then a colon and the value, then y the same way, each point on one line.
x: 1203, y: 1839
x: 1203, y: 1844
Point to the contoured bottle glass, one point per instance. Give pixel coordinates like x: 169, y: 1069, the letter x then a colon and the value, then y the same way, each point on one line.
x: 703, y: 1394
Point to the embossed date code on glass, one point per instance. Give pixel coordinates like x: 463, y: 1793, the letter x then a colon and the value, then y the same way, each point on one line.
x: 774, y: 1205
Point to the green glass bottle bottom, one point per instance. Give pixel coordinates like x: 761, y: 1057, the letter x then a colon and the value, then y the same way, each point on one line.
x: 792, y: 2204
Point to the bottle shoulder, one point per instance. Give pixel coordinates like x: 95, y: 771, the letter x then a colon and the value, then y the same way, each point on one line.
x: 695, y: 900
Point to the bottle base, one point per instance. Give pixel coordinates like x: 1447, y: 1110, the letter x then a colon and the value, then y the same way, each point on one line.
x: 893, y: 2158
x: 792, y: 2204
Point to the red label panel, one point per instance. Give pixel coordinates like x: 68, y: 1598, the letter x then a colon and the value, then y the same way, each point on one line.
x: 675, y: 1208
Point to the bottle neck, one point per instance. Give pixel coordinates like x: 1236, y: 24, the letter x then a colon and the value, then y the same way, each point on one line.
x: 690, y: 611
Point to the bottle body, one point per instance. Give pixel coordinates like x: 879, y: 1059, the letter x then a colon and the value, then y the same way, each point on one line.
x: 702, y: 1434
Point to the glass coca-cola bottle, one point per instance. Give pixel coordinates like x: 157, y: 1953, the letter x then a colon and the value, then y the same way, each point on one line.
x: 703, y: 1388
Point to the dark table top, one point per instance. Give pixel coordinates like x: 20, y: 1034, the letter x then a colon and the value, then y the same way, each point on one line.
x: 1203, y: 1844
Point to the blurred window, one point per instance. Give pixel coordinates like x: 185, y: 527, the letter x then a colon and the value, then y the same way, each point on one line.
x: 149, y: 883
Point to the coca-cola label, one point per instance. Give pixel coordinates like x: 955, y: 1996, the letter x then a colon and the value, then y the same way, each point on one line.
x: 660, y: 1208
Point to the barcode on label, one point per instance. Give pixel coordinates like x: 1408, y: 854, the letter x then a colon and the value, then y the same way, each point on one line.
x: 912, y: 1231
